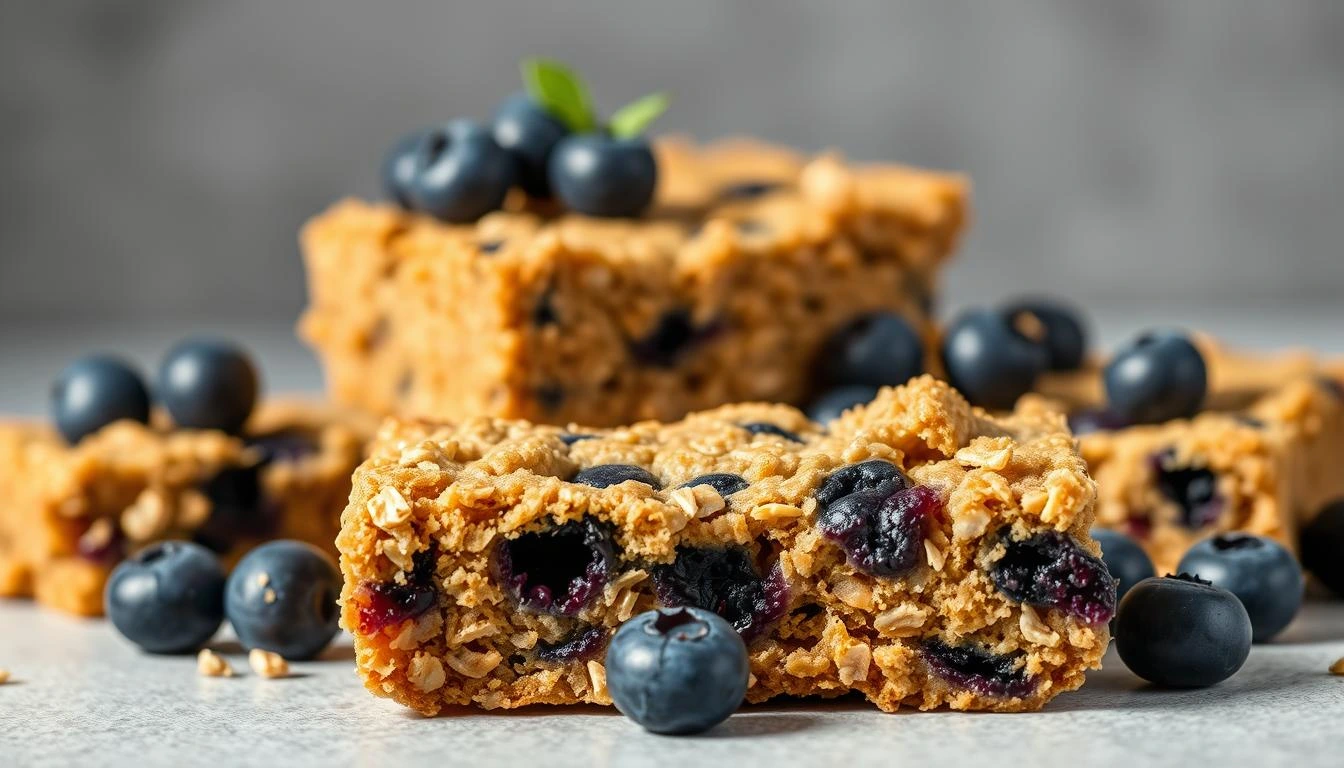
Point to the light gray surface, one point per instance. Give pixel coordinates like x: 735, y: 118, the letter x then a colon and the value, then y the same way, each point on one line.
x: 81, y: 696
x: 156, y: 158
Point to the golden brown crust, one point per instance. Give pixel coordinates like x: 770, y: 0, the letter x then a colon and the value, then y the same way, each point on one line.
x: 456, y: 491
x: 128, y: 485
x: 554, y: 319
x: 1271, y: 437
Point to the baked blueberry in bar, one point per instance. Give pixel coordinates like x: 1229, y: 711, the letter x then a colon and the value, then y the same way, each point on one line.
x: 725, y: 291
x: 69, y: 514
x: 917, y: 551
x: 1261, y: 456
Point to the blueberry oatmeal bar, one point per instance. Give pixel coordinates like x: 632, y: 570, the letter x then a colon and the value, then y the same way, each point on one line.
x: 1261, y: 456
x: 725, y: 291
x: 919, y: 552
x: 71, y: 513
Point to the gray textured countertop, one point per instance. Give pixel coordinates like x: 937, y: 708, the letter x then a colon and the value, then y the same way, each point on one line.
x: 81, y: 696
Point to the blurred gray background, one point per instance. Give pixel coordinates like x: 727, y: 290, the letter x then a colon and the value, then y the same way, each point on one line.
x: 1152, y: 159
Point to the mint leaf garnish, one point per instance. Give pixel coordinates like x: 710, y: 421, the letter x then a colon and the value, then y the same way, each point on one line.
x: 561, y: 92
x: 632, y: 119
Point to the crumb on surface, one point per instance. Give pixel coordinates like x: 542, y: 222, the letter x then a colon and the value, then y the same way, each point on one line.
x: 1338, y: 667
x: 4, y: 675
x: 267, y: 663
x: 211, y: 664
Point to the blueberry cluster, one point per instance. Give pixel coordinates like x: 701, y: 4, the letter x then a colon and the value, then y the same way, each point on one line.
x: 545, y: 141
x: 171, y: 597
x: 202, y: 383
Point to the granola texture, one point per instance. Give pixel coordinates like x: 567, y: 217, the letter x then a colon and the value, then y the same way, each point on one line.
x: 437, y: 622
x: 750, y: 258
x: 70, y: 514
x: 1262, y: 457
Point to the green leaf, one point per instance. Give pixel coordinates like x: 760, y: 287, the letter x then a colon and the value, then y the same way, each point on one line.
x: 634, y: 118
x: 560, y: 92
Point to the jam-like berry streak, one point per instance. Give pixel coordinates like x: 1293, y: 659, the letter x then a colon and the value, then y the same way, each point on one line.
x: 580, y: 645
x: 386, y: 604
x: 559, y: 570
x: 978, y: 670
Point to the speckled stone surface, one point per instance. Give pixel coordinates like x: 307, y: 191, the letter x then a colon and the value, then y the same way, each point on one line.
x: 81, y: 696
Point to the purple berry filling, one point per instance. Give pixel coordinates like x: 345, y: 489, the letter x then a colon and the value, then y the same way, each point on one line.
x: 104, y: 549
x: 388, y: 603
x: 977, y: 670
x: 581, y: 645
x: 726, y: 582
x: 1050, y: 570
x: 239, y: 508
x: 559, y: 570
x: 287, y: 446
x: 1194, y: 491
x: 1095, y: 420
x: 882, y: 531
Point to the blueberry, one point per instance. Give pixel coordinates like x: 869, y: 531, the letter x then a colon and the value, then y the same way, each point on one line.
x: 282, y: 596
x: 832, y: 403
x: 1181, y: 632
x: 599, y: 175
x: 582, y: 644
x: 94, y: 392
x: 571, y: 438
x: 726, y: 582
x: 989, y: 360
x: 677, y: 671
x: 208, y: 384
x: 1089, y: 420
x: 1261, y: 572
x: 529, y: 133
x: 168, y: 597
x: 461, y: 174
x: 239, y: 508
x: 882, y: 531
x: 389, y: 603
x: 766, y: 428
x: 1061, y: 328
x: 607, y: 475
x: 748, y: 190
x: 1160, y: 376
x: 399, y: 168
x: 558, y: 570
x: 1126, y: 561
x: 1322, y: 541
x: 1050, y: 570
x: 864, y: 476
x: 723, y: 482
x: 674, y: 335
x: 876, y: 350
x: 1194, y: 490
x: 978, y: 670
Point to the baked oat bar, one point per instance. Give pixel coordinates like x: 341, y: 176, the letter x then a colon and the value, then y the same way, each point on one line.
x: 1261, y: 457
x: 725, y: 292
x: 69, y: 514
x: 919, y: 552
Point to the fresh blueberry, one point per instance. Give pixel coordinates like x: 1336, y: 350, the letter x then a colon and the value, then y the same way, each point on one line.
x: 1061, y: 328
x: 1261, y: 572
x: 599, y: 175
x: 677, y: 671
x: 727, y: 582
x: 607, y: 475
x: 1181, y: 632
x: 399, y: 168
x: 1321, y: 543
x: 832, y: 403
x: 461, y: 174
x: 208, y: 384
x: 282, y: 596
x: 766, y: 428
x: 725, y: 483
x: 989, y: 360
x: 1160, y: 376
x: 1050, y: 570
x: 876, y: 350
x: 530, y: 134
x: 168, y: 597
x: 1125, y: 559
x: 558, y: 570
x: 94, y: 392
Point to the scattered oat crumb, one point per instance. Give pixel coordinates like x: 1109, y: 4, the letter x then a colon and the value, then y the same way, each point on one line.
x: 1335, y: 669
x: 211, y: 664
x: 263, y: 579
x: 268, y: 595
x: 4, y: 676
x: 267, y: 664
